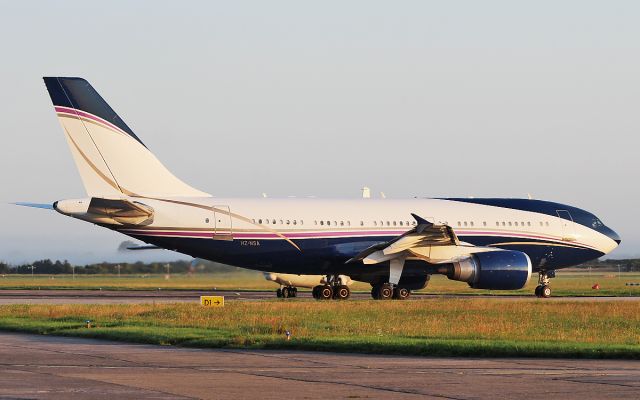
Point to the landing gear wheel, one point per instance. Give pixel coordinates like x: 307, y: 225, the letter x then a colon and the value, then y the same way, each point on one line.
x: 294, y: 292
x: 543, y: 289
x: 545, y: 292
x: 325, y: 292
x: 279, y: 293
x: 341, y: 292
x: 401, y: 293
x: 315, y: 292
x: 285, y: 292
x: 384, y: 292
x: 374, y: 292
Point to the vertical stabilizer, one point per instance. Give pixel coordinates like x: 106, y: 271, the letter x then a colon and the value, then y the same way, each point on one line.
x: 111, y: 159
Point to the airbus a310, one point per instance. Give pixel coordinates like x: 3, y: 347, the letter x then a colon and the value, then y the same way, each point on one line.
x: 395, y: 245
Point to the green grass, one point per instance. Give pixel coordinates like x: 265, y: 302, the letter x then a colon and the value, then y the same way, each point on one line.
x: 567, y: 283
x: 435, y: 327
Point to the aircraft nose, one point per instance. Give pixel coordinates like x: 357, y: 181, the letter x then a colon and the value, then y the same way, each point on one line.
x: 613, y: 235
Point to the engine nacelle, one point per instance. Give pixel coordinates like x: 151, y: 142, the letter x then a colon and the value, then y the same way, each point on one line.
x: 499, y: 270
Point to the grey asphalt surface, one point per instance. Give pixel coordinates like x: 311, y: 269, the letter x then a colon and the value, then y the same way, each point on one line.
x: 42, y: 367
x: 182, y: 296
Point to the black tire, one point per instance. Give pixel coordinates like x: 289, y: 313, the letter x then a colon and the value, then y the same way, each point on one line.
x: 545, y: 292
x: 279, y: 293
x: 285, y: 292
x: 537, y: 291
x: 294, y: 292
x: 385, y: 292
x: 374, y: 292
x: 326, y: 293
x: 342, y: 292
x: 315, y: 292
x: 401, y: 293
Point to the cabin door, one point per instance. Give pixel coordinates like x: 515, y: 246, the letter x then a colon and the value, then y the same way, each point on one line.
x: 223, y: 229
x: 568, y: 228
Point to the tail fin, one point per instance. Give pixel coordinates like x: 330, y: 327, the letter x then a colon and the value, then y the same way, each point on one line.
x: 111, y: 159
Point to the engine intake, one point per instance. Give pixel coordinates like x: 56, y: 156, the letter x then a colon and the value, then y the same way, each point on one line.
x: 499, y: 270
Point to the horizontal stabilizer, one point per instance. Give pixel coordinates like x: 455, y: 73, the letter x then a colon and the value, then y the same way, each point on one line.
x: 44, y: 206
x: 106, y: 211
x: 144, y: 247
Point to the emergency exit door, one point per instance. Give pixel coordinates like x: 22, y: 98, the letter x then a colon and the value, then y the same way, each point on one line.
x: 223, y: 229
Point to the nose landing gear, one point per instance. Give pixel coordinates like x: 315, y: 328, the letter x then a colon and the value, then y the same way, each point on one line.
x: 543, y: 290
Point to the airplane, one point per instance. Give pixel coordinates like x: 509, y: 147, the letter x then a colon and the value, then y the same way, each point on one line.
x: 393, y: 244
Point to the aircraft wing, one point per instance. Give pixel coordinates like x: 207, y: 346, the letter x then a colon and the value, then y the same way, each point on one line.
x: 433, y: 243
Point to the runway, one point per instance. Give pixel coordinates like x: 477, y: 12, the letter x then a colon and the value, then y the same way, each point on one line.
x: 184, y: 296
x: 42, y: 367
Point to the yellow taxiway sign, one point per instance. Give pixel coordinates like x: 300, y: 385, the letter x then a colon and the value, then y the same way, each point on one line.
x: 212, y: 301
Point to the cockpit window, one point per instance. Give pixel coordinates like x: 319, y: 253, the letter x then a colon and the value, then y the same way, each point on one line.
x: 596, y: 223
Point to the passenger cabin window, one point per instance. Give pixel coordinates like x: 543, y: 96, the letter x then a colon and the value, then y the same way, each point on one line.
x: 361, y: 223
x: 471, y: 223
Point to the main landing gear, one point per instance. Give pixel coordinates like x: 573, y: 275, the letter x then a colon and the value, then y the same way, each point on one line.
x: 543, y: 290
x: 333, y: 289
x: 388, y: 291
x: 287, y: 291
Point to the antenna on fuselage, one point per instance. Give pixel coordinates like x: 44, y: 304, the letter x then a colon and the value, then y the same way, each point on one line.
x: 366, y: 193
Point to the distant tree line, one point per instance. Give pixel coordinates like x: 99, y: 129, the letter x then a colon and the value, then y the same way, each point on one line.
x: 625, y: 265
x: 48, y: 267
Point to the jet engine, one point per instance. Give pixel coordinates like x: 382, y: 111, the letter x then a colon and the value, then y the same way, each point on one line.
x: 499, y: 270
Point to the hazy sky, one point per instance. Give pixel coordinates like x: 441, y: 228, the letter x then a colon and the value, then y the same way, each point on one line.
x: 426, y: 98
